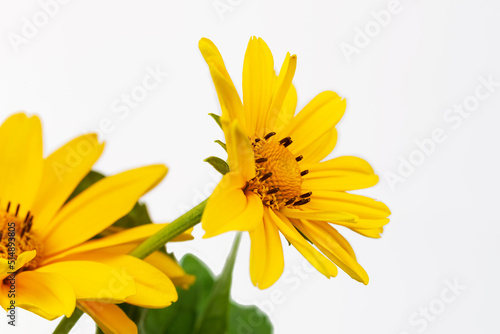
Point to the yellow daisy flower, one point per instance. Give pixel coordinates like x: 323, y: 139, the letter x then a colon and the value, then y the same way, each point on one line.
x: 276, y: 182
x: 55, y: 267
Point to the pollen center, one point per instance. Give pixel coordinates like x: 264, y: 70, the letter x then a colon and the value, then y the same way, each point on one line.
x: 278, y: 177
x: 16, y: 235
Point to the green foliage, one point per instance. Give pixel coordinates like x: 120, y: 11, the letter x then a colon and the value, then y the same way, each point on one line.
x: 220, y: 165
x: 216, y: 119
x: 221, y: 144
x: 91, y: 178
x: 191, y: 308
x: 214, y: 318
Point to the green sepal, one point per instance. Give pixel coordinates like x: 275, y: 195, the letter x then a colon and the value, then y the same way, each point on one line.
x: 217, y: 119
x: 220, y: 165
x: 221, y: 144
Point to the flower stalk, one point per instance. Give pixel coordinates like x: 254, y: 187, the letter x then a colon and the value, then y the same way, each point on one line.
x: 67, y: 324
x: 169, y: 232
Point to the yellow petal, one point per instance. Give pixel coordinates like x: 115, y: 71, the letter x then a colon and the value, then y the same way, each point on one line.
x: 21, y: 160
x: 341, y: 164
x: 100, y: 206
x: 370, y: 233
x: 318, y: 260
x: 212, y: 56
x: 266, y: 254
x: 22, y: 259
x: 287, y: 110
x: 240, y: 155
x: 334, y: 235
x: 336, y: 217
x: 321, y: 147
x: 340, y: 174
x: 47, y: 295
x: 361, y: 206
x: 62, y: 172
x: 159, y: 260
x: 326, y: 239
x: 110, y: 318
x: 94, y: 281
x: 258, y: 85
x: 171, y: 268
x: 153, y: 288
x: 220, y: 222
x: 280, y: 93
x: 133, y: 235
x: 315, y: 123
x: 230, y: 209
x: 323, y: 215
x: 229, y: 100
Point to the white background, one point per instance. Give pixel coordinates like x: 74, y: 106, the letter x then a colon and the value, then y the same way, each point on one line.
x: 399, y: 88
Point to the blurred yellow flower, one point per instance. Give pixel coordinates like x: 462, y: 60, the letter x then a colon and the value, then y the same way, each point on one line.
x: 276, y: 181
x: 55, y: 266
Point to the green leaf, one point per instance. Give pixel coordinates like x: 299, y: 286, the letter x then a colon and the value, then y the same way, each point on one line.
x: 138, y: 216
x: 221, y: 144
x: 217, y: 119
x: 180, y: 317
x: 215, y: 317
x: 220, y: 165
x: 249, y: 320
x: 91, y: 178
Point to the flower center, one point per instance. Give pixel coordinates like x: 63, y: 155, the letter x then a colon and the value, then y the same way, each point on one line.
x: 278, y: 177
x: 16, y: 235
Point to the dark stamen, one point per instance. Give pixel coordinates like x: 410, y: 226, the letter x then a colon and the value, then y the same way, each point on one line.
x: 8, y: 207
x: 261, y: 160
x: 285, y: 140
x: 17, y: 209
x: 306, y: 195
x: 290, y: 201
x: 299, y: 158
x: 302, y: 202
x: 304, y: 172
x: 27, y: 216
x: 266, y: 176
x: 27, y: 227
x: 269, y: 135
x: 273, y: 191
x: 271, y: 202
x: 257, y: 140
x: 30, y: 224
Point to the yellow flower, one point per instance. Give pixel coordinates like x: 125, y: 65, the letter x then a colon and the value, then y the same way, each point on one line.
x: 56, y: 267
x: 276, y: 182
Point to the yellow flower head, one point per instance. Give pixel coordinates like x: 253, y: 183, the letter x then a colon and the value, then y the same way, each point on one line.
x: 44, y: 247
x: 276, y: 182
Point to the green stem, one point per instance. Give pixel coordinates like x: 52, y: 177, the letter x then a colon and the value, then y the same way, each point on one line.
x: 67, y: 324
x: 169, y: 232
